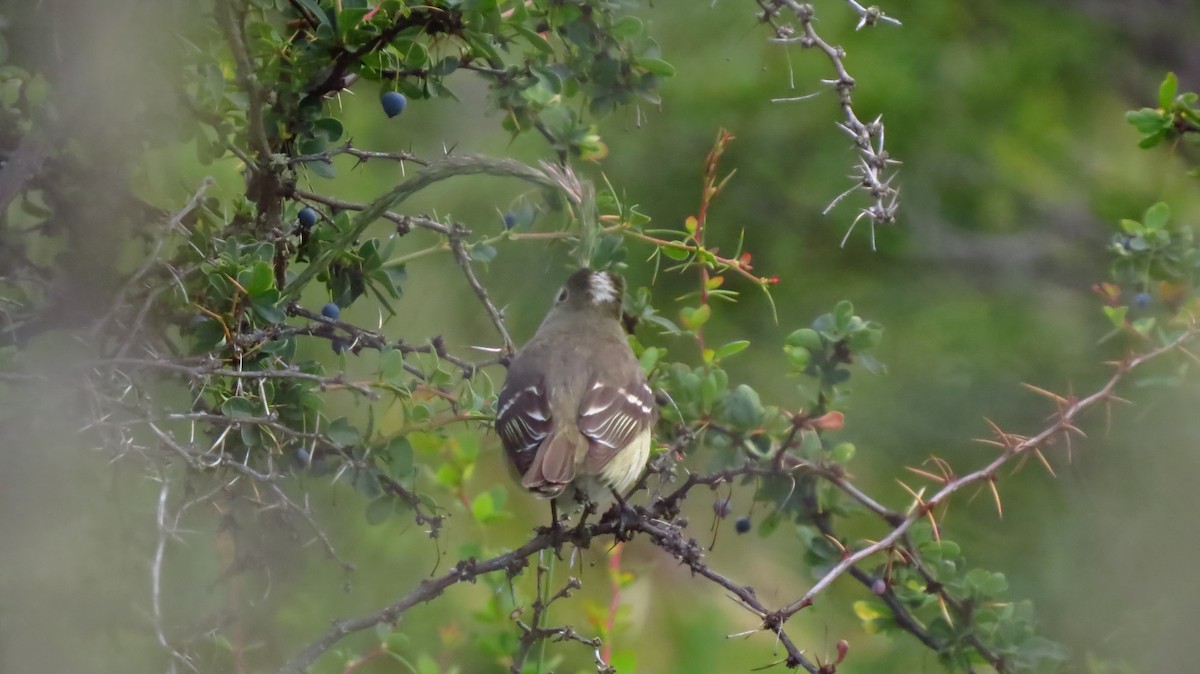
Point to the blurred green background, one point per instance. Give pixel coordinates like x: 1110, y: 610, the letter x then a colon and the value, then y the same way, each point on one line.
x: 1017, y: 163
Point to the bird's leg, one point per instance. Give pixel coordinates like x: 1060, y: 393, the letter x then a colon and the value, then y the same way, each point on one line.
x: 622, y: 509
x: 589, y: 508
x: 556, y: 528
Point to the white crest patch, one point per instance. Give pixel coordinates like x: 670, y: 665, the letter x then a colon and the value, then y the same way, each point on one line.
x: 602, y: 287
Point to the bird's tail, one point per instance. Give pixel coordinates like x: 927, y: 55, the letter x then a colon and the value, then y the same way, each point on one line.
x: 554, y: 465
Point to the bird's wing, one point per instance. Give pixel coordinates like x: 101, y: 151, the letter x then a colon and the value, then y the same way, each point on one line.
x: 611, y: 416
x: 522, y: 419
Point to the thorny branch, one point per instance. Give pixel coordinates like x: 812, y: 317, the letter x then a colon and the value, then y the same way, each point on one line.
x: 457, y: 236
x: 1012, y: 446
x: 363, y: 156
x: 534, y: 632
x: 660, y: 523
x: 232, y: 25
x: 870, y: 173
x: 547, y: 175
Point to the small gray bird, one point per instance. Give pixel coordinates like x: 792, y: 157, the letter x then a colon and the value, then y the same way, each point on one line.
x: 575, y: 408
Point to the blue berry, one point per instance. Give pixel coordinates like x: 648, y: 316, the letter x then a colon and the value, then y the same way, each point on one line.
x: 510, y: 220
x: 393, y: 103
x: 1142, y: 300
x: 331, y: 311
x: 307, y: 217
x: 721, y: 508
x: 338, y: 345
x: 742, y: 525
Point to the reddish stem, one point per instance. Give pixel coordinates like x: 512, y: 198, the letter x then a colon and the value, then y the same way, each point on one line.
x: 363, y: 659
x: 614, y: 601
x: 711, y: 188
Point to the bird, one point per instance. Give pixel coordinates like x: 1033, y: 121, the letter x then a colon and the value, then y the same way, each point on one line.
x: 575, y: 414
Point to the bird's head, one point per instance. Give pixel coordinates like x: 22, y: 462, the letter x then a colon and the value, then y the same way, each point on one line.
x: 590, y: 291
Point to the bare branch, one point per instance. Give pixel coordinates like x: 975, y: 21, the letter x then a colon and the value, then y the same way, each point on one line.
x: 1059, y: 423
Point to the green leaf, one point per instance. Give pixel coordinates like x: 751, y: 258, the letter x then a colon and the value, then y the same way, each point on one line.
x: 343, y: 433
x: 731, y: 349
x: 626, y: 27
x: 742, y: 409
x: 481, y: 45
x: 399, y: 453
x: 533, y: 38
x: 483, y: 253
x: 483, y: 508
x: 367, y: 483
x: 874, y: 614
x: 316, y: 11
x: 1131, y: 226
x: 694, y: 317
x: 251, y: 435
x: 1167, y: 91
x: 267, y: 309
x: 798, y: 356
x: 444, y: 67
x: 330, y: 127
x: 986, y: 584
x: 238, y: 407
x: 805, y: 337
x: 1157, y: 216
x: 391, y: 366
x: 1036, y: 650
x: 379, y: 510
x: 865, y: 338
x: 871, y: 364
x: 448, y: 475
x: 257, y: 280
x: 675, y: 253
x: 662, y: 322
x: 1147, y: 120
x: 842, y: 313
x: 348, y: 20
x: 713, y: 386
x: 843, y: 452
x: 395, y: 642
x: 657, y: 66
x: 427, y: 665
x: 649, y: 358
x: 1116, y: 315
x: 1150, y: 141
x: 769, y: 524
x: 425, y: 442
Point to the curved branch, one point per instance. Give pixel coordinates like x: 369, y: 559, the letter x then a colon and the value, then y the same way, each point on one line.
x: 556, y: 178
x: 1013, y: 447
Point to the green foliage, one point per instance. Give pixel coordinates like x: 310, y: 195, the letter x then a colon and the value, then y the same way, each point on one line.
x: 1176, y: 117
x: 962, y: 606
x: 1152, y: 293
x: 399, y: 427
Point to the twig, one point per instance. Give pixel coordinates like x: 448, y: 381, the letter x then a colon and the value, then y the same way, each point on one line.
x: 214, y: 368
x: 404, y: 222
x: 622, y: 520
x: 447, y: 167
x: 174, y: 225
x: 874, y: 161
x: 245, y: 71
x: 457, y: 236
x: 363, y: 156
x: 1062, y: 421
